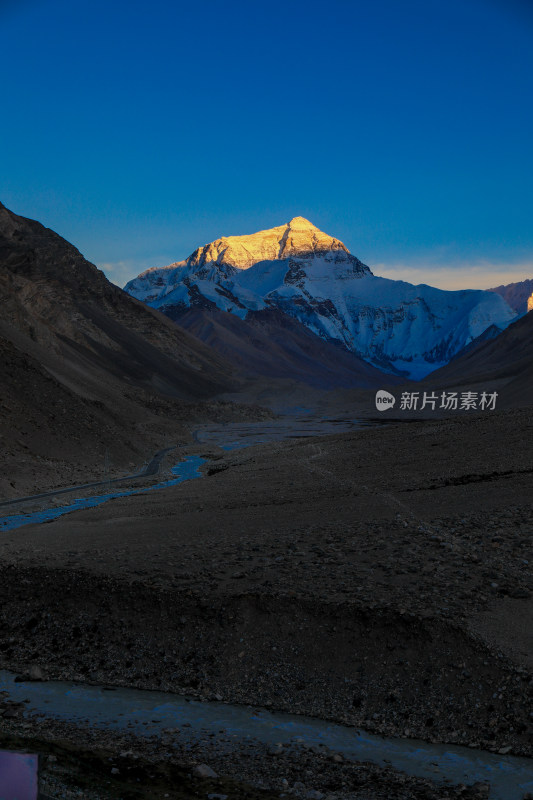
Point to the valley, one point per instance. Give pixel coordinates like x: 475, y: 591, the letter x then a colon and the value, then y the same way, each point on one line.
x: 207, y: 503
x: 217, y: 587
x: 266, y: 400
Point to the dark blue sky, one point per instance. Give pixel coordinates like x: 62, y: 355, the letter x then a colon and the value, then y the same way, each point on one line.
x: 139, y: 130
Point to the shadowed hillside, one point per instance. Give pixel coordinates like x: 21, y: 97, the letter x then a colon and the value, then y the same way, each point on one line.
x: 504, y: 363
x: 85, y: 368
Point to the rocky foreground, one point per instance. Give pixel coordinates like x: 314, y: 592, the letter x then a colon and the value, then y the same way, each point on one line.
x: 379, y: 578
x: 102, y: 766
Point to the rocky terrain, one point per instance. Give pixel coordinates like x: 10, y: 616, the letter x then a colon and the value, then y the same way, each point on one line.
x: 107, y: 766
x: 272, y: 344
x: 86, y: 370
x: 52, y: 436
x: 56, y: 299
x: 503, y: 364
x: 380, y: 578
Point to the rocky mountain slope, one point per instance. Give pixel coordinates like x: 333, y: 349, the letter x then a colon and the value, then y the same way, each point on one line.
x: 312, y: 277
x: 56, y: 298
x: 272, y: 344
x: 84, y: 366
x: 503, y: 364
x: 298, y: 238
x: 516, y: 294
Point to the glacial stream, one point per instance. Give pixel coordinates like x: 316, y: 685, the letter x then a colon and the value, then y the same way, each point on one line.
x: 147, y: 713
x: 185, y: 470
x: 230, y: 436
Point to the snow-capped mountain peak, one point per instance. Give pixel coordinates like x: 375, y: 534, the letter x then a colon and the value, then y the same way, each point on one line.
x: 298, y: 238
x: 224, y: 258
x: 313, y: 278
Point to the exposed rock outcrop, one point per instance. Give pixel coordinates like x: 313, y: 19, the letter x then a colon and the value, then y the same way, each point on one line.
x: 299, y: 237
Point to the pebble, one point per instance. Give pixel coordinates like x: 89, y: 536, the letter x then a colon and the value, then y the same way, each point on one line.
x: 481, y: 788
x: 35, y: 673
x: 203, y: 771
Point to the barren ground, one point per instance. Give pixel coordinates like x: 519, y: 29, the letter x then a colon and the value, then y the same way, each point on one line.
x: 379, y: 577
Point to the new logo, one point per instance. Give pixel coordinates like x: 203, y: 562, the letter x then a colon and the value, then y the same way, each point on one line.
x: 384, y: 400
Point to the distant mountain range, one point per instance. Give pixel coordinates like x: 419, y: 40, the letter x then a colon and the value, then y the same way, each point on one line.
x: 299, y: 272
x: 517, y: 295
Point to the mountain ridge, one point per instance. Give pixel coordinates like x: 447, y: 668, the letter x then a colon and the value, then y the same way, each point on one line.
x: 398, y: 327
x: 516, y: 294
x: 44, y: 277
x: 504, y: 364
x: 297, y: 237
x: 86, y: 368
x: 272, y: 344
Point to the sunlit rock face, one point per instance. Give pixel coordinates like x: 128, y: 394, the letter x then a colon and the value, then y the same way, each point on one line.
x: 530, y: 303
x: 225, y: 257
x: 299, y: 237
x: 222, y: 258
x: 313, y: 278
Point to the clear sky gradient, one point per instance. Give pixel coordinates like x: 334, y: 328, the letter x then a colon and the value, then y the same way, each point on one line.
x: 140, y: 130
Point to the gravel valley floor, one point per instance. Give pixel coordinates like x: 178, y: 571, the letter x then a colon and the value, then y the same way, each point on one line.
x: 379, y: 578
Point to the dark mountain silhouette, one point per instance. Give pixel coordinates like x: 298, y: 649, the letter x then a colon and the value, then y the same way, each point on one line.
x: 85, y: 368
x: 504, y: 363
x: 272, y: 344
